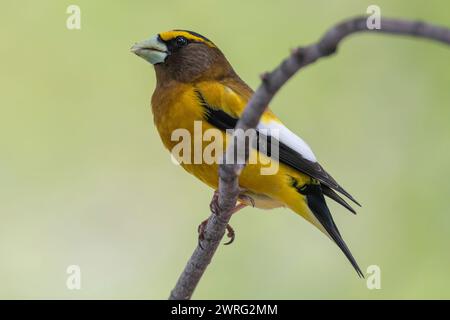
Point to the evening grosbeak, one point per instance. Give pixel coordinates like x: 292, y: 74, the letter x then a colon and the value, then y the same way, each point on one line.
x: 195, y: 82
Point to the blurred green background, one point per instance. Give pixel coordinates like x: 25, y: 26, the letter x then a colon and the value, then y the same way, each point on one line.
x: 85, y: 180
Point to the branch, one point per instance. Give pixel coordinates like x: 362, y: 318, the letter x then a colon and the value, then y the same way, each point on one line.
x: 271, y: 83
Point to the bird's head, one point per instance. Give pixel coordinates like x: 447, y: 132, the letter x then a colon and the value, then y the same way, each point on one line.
x: 184, y: 56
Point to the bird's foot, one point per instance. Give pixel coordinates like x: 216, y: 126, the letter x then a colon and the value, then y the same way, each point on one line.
x: 215, y: 209
x: 201, y: 233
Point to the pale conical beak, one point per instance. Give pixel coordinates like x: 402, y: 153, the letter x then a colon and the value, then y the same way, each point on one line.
x: 152, y: 50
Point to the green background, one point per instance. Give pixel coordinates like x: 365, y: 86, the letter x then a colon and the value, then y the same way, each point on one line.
x: 84, y: 178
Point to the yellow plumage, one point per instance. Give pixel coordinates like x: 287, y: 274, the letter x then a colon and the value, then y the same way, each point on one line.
x: 180, y: 108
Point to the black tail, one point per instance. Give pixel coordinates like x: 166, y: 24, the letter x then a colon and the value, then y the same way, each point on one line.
x: 333, y: 195
x: 317, y: 204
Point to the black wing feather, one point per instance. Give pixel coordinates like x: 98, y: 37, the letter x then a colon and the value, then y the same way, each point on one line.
x: 223, y: 121
x: 333, y: 195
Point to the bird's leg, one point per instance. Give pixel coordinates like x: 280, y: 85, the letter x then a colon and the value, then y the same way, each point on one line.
x: 214, y: 206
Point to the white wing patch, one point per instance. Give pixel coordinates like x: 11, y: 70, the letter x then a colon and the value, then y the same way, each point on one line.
x: 290, y: 139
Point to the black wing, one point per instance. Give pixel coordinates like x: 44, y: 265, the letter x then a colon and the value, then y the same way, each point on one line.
x: 223, y: 121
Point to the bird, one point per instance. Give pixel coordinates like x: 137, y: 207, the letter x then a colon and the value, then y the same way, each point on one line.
x: 195, y: 83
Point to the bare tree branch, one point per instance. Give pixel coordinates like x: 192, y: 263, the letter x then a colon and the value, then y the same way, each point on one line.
x: 271, y: 83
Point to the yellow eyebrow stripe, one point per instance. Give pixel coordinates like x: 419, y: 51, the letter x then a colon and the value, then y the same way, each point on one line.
x: 169, y: 35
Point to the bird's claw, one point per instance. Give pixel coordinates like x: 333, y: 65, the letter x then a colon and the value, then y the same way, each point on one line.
x: 230, y: 234
x: 214, y: 204
x: 247, y: 198
x: 201, y: 233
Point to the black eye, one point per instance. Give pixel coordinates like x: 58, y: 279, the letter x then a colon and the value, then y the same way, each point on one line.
x: 181, y: 41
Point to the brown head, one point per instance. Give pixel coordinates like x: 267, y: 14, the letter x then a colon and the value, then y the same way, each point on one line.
x: 184, y: 56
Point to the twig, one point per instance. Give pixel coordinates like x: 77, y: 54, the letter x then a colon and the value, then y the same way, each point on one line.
x: 271, y: 83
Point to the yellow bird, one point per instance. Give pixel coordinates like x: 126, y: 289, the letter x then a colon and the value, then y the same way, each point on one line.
x: 196, y: 84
